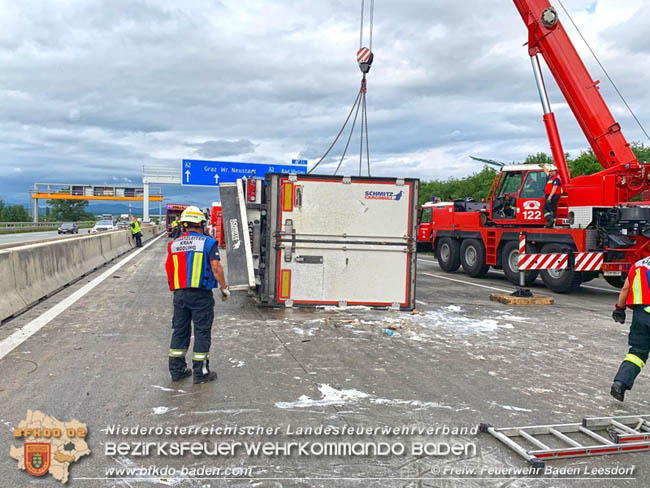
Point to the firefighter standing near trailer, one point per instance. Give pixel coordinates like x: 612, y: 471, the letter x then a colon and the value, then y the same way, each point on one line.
x: 552, y: 193
x: 636, y: 295
x: 193, y: 270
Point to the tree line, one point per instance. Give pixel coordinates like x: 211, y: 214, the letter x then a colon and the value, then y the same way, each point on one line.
x: 57, y: 211
x: 478, y: 185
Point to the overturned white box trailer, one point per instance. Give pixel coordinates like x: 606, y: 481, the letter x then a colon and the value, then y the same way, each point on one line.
x: 309, y: 240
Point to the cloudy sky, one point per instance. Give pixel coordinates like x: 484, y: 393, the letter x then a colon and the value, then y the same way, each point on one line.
x: 92, y: 90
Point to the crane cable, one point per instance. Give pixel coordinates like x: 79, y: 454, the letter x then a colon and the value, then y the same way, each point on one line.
x: 605, y: 71
x: 364, y: 58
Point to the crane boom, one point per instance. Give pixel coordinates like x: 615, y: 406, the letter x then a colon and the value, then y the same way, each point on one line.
x: 546, y: 36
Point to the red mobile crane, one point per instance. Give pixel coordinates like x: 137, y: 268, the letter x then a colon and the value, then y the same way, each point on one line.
x: 595, y: 212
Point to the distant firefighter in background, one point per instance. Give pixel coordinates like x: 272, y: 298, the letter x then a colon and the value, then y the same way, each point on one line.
x: 135, y: 231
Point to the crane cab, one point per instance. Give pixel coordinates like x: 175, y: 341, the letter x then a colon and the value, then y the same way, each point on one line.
x: 517, y: 196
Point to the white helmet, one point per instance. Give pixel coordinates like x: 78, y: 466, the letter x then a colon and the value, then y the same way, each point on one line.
x: 193, y: 215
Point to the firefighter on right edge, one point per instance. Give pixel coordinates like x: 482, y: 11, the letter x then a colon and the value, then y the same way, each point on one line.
x: 636, y: 295
x: 552, y: 193
x: 193, y: 269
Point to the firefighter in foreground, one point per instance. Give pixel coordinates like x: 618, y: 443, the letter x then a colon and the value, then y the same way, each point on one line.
x: 552, y: 194
x: 193, y: 270
x: 636, y: 295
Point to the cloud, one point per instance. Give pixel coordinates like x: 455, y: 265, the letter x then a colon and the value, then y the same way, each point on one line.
x: 218, y: 149
x: 92, y: 90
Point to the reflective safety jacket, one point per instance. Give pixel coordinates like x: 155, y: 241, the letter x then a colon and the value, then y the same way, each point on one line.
x: 135, y: 227
x: 174, y: 223
x: 639, y: 286
x: 188, y: 263
x: 550, y: 183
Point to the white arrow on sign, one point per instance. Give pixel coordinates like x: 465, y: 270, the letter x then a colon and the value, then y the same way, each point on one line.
x: 187, y: 174
x: 216, y: 178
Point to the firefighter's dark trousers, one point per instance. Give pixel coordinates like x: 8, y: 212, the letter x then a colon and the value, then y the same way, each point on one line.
x: 197, y: 306
x: 550, y: 208
x: 639, y: 340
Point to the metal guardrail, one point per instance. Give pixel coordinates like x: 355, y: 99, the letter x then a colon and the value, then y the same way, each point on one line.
x: 39, y: 225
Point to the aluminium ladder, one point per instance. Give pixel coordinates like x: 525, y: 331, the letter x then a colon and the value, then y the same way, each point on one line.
x: 629, y: 433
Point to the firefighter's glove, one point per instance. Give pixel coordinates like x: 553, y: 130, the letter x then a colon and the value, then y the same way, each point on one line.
x: 619, y: 315
x: 225, y: 294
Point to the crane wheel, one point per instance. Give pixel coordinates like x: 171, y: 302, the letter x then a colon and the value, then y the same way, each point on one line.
x: 472, y: 258
x: 616, y: 281
x: 509, y: 260
x: 448, y: 254
x: 560, y: 280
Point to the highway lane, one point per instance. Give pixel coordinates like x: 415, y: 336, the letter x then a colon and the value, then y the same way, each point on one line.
x: 32, y: 236
x: 460, y: 361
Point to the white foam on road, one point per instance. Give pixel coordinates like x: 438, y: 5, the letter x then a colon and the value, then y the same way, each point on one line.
x: 31, y: 328
x: 332, y: 396
x: 162, y: 388
x: 451, y: 318
x: 515, y: 409
x: 162, y: 410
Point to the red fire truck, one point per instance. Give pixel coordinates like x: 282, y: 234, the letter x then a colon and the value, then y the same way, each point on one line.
x: 173, y: 210
x: 595, y: 213
x: 215, y: 226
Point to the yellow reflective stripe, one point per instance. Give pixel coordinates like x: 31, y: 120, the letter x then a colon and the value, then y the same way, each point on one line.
x: 177, y: 352
x: 199, y: 269
x: 201, y: 356
x: 196, y: 269
x: 636, y: 288
x: 635, y: 359
x: 176, y: 284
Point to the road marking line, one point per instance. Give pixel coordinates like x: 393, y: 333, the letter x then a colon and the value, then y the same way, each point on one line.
x: 31, y: 328
x: 421, y: 302
x: 601, y: 289
x: 428, y: 260
x: 584, y: 286
x: 467, y: 282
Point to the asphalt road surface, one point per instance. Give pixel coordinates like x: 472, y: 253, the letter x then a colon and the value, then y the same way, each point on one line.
x: 460, y: 361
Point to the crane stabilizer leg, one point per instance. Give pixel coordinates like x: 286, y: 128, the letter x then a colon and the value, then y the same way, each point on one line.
x: 630, y: 434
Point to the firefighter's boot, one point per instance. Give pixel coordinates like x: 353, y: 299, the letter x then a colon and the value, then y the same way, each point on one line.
x: 202, y: 373
x: 618, y: 390
x: 178, y: 369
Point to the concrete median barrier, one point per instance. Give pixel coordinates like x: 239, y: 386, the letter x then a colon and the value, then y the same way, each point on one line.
x: 34, y: 271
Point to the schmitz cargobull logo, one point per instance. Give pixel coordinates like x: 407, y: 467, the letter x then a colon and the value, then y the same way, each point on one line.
x: 383, y: 195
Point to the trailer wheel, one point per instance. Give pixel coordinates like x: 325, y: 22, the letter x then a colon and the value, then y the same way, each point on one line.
x: 448, y: 254
x: 472, y: 257
x: 560, y: 280
x: 616, y: 281
x: 509, y: 260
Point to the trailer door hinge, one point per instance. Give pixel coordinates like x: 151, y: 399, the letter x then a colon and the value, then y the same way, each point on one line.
x: 293, y: 178
x: 399, y: 182
x: 288, y: 303
x: 395, y: 306
x: 343, y: 303
x: 346, y: 180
